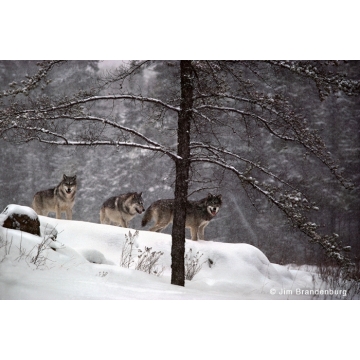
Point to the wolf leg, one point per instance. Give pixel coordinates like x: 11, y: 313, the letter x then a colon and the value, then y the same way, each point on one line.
x: 58, y: 212
x: 123, y: 223
x: 201, y: 230
x: 37, y: 208
x: 69, y: 214
x: 158, y: 227
x: 194, y: 233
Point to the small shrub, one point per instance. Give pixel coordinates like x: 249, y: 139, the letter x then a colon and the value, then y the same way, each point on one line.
x: 335, y: 278
x: 39, y: 259
x: 22, y: 251
x: 6, y: 244
x: 147, y: 260
x: 192, y: 264
x: 126, y: 253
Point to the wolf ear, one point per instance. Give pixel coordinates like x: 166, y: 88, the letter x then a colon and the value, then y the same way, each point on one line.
x: 210, y: 196
x: 140, y: 194
x: 74, y: 177
x: 64, y: 177
x: 219, y: 196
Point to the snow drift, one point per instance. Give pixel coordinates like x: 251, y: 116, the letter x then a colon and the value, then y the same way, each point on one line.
x: 82, y: 262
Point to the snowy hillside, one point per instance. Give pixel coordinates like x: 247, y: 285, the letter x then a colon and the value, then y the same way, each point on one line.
x: 84, y: 264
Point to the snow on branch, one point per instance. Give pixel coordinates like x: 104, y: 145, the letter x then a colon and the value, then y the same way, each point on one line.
x: 325, y: 81
x: 104, y: 142
x: 249, y: 114
x: 217, y: 150
x: 80, y: 101
x: 32, y: 81
x: 34, y: 133
x: 287, y: 126
x: 121, y: 73
x: 117, y: 126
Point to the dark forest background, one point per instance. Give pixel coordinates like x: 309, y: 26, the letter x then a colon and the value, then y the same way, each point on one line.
x: 102, y: 172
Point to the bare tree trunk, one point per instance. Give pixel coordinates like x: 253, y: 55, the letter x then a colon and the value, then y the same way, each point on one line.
x: 182, y: 175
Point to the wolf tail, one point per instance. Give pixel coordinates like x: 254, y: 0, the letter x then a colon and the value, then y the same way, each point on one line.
x: 147, y: 216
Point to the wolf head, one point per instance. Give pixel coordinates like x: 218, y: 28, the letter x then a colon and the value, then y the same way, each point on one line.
x: 213, y: 204
x: 137, y: 203
x: 69, y: 183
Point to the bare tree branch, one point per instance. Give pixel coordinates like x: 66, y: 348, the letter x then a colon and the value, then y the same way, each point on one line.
x: 294, y: 213
x: 155, y: 147
x: 324, y: 82
x: 90, y: 99
x: 216, y: 150
x: 32, y: 82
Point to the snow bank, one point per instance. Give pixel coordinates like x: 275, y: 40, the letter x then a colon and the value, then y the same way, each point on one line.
x: 83, y: 263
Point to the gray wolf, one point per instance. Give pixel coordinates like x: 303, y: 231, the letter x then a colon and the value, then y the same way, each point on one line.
x: 58, y: 200
x: 198, y: 214
x: 121, y: 209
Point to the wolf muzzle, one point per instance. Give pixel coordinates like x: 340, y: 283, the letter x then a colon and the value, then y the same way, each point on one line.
x: 214, y: 210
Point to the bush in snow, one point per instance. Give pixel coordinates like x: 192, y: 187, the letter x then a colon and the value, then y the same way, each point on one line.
x: 335, y: 277
x: 193, y: 264
x: 40, y: 259
x: 36, y: 256
x: 147, y: 260
x: 5, y: 248
x: 126, y: 253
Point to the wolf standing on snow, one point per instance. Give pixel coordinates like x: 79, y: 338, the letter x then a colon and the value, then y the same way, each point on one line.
x: 121, y: 209
x: 59, y: 199
x: 198, y: 214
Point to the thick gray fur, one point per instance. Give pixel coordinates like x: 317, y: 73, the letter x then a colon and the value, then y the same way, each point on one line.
x: 119, y: 210
x: 198, y: 214
x: 58, y: 200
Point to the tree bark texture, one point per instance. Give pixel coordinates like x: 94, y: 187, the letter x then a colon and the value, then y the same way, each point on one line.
x: 182, y: 175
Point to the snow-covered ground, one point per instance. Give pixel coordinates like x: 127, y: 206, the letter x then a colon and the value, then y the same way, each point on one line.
x: 84, y: 264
